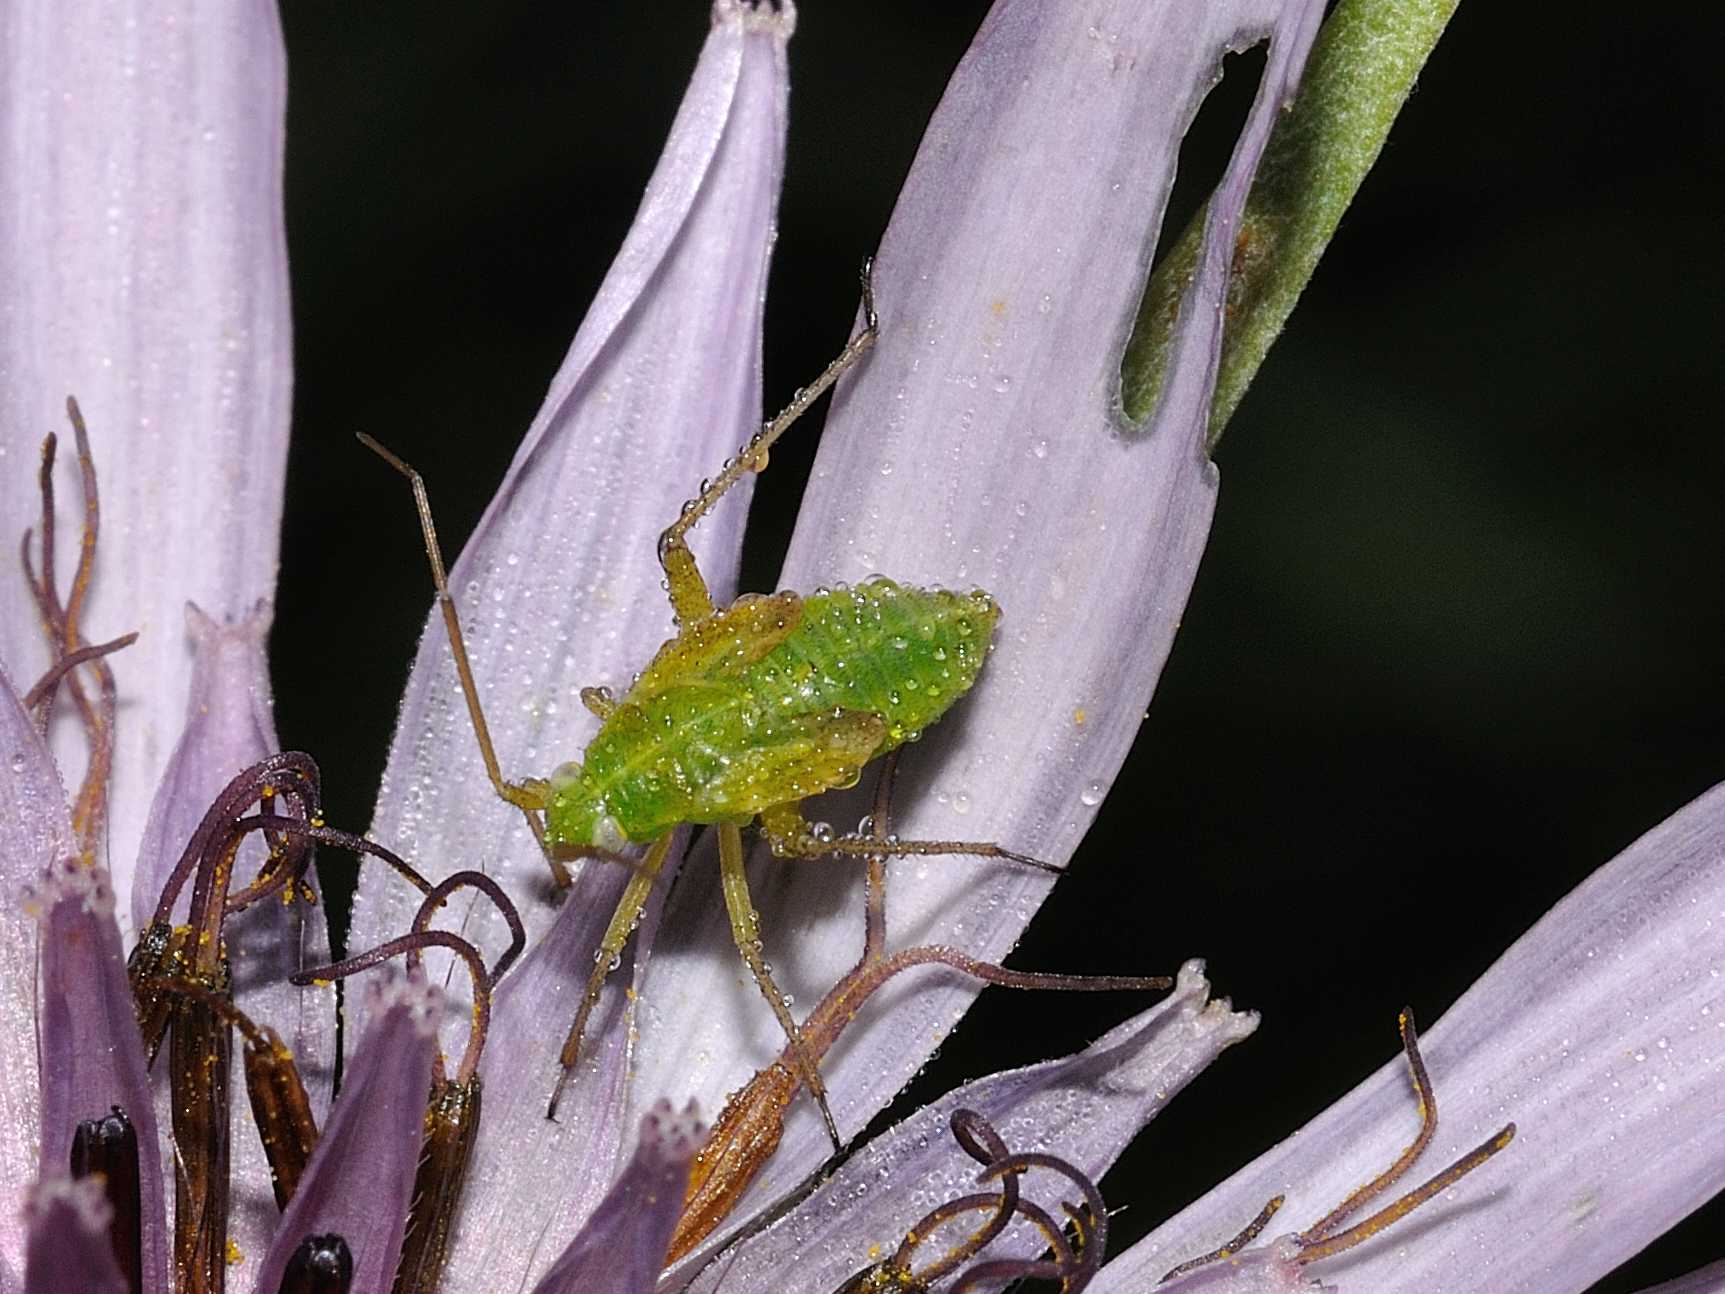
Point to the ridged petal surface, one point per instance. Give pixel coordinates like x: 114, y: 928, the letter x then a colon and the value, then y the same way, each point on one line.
x: 1601, y: 1033
x: 559, y: 585
x: 981, y: 443
x: 143, y: 269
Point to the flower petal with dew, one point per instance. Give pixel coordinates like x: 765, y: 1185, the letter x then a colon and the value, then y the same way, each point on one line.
x: 621, y: 1249
x: 1601, y: 1032
x: 360, y: 1179
x: 1085, y: 1108
x: 981, y: 442
x: 90, y: 1057
x: 229, y: 726
x: 69, y: 1249
x: 34, y: 831
x: 661, y: 382
x: 143, y: 268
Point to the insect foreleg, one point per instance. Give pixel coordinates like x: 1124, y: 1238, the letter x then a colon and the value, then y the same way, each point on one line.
x: 746, y: 930
x: 690, y: 600
x: 623, y: 922
x: 790, y: 836
x: 530, y: 798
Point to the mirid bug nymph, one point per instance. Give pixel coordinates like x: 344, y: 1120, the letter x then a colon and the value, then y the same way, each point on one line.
x: 746, y: 712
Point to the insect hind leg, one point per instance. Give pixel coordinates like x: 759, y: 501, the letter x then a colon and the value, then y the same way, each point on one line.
x: 690, y: 600
x: 789, y: 835
x: 530, y: 797
x: 746, y: 930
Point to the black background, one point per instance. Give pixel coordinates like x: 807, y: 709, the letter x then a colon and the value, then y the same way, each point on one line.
x: 1457, y: 638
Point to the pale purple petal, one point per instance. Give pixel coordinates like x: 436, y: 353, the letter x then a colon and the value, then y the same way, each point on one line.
x: 559, y: 584
x: 69, y: 1247
x: 35, y: 829
x: 1083, y: 1108
x: 1601, y: 1033
x: 1709, y: 1280
x: 622, y: 1248
x: 143, y: 269
x: 360, y: 1179
x: 229, y: 727
x: 523, y: 1204
x: 91, y: 1055
x: 982, y: 443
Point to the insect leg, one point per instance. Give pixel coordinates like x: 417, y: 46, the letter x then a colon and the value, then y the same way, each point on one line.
x: 746, y: 930
x: 790, y: 836
x: 623, y: 922
x: 690, y: 600
x: 531, y: 800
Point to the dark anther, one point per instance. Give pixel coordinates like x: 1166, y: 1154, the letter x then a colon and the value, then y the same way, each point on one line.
x: 1071, y: 1264
x: 451, y: 1120
x: 109, y: 1146
x: 321, y: 1265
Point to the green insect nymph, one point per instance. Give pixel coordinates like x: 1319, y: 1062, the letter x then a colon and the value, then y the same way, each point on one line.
x: 766, y: 702
x: 748, y: 711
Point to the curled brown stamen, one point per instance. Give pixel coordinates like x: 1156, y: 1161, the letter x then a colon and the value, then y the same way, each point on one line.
x: 413, y: 945
x: 1250, y: 1232
x: 274, y: 879
x: 439, y: 894
x: 1071, y: 1265
x: 49, y: 682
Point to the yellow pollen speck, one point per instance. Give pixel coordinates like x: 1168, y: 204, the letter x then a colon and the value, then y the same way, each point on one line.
x: 1078, y: 716
x: 235, y: 1254
x: 997, y: 307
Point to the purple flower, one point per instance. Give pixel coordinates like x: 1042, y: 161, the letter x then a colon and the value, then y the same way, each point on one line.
x: 981, y: 442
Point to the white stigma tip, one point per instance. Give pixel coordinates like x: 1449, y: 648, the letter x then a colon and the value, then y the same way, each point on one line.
x: 69, y: 880
x: 84, y: 1197
x: 669, y: 1137
x: 422, y: 1000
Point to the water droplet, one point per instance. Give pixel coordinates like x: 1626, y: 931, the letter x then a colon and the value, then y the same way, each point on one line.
x: 1040, y: 449
x: 886, y: 467
x: 961, y: 802
x: 1002, y: 382
x: 1092, y: 794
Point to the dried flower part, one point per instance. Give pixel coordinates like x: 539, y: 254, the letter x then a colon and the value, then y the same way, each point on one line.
x: 144, y: 147
x: 68, y: 1240
x: 1541, y: 1037
x: 321, y: 1265
x: 981, y: 443
x: 621, y: 1249
x: 106, y: 1150
x: 1084, y: 1108
x: 451, y: 1124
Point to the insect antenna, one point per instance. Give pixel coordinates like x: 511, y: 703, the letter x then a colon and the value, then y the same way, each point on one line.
x: 752, y: 457
x: 525, y: 798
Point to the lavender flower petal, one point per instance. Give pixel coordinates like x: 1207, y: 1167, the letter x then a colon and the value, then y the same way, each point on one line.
x: 523, y: 1204
x: 35, y: 829
x: 661, y: 382
x: 1709, y: 1280
x: 1084, y: 1108
x: 229, y: 726
x: 69, y: 1247
x: 1601, y: 1033
x: 143, y: 144
x: 982, y: 442
x: 91, y: 1056
x: 622, y: 1248
x: 1270, y: 1270
x: 360, y: 1179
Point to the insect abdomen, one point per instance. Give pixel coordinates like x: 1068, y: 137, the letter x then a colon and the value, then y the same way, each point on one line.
x: 905, y: 654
